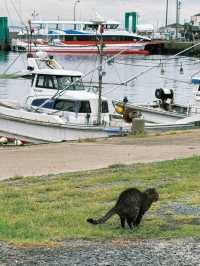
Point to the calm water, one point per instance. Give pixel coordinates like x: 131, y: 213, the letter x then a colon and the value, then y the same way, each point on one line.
x: 140, y: 90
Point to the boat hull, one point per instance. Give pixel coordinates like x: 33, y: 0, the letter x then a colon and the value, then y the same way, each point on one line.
x: 109, y: 49
x: 51, y: 128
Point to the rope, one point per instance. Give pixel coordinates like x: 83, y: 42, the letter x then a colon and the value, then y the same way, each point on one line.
x: 12, y: 63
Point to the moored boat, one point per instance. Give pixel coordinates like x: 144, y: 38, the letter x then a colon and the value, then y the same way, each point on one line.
x: 163, y: 110
x: 80, y: 37
x: 57, y: 108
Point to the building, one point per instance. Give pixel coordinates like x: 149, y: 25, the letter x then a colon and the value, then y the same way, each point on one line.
x: 172, y: 31
x: 195, y: 20
x: 145, y: 29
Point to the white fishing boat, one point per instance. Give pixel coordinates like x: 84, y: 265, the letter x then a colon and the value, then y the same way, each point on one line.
x: 163, y: 110
x: 58, y: 107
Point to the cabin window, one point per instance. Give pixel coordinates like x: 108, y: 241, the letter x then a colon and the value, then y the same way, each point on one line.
x: 46, y: 81
x: 48, y: 103
x: 63, y: 82
x: 65, y: 105
x: 73, y: 106
x: 32, y: 79
x: 59, y: 82
x: 105, y: 107
x: 69, y: 83
x: 84, y: 107
x: 40, y: 81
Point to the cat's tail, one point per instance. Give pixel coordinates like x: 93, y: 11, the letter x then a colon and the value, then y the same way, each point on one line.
x: 104, y: 218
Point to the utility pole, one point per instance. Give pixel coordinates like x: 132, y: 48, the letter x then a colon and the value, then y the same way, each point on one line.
x: 167, y: 6
x: 178, y: 8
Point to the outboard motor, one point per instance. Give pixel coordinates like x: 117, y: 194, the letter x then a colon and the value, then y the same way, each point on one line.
x: 166, y: 96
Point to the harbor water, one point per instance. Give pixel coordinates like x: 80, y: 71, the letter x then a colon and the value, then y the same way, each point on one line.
x: 144, y: 74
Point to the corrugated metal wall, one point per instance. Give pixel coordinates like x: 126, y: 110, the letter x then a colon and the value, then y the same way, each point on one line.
x: 4, y: 32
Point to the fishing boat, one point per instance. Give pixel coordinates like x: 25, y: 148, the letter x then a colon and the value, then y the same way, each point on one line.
x: 79, y: 37
x: 163, y: 110
x: 58, y: 107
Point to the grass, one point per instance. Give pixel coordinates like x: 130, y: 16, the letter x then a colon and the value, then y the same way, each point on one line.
x: 37, y: 210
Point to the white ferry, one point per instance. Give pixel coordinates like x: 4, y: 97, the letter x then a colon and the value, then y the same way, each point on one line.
x: 79, y: 37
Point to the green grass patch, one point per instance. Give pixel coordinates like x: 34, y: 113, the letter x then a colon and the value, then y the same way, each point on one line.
x: 50, y: 208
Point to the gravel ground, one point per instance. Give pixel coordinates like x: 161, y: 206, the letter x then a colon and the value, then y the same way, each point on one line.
x: 154, y: 252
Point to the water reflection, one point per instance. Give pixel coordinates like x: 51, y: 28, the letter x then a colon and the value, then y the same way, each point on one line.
x: 4, y: 57
x: 146, y: 72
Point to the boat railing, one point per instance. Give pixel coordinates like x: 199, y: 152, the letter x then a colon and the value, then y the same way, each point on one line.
x: 192, y: 109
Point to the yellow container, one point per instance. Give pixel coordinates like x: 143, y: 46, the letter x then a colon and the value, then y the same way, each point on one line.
x: 119, y: 109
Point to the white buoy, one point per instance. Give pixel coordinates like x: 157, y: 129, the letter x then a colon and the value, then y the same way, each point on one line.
x: 18, y: 142
x: 3, y: 140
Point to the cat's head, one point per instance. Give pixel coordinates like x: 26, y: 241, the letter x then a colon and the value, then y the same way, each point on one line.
x: 152, y: 194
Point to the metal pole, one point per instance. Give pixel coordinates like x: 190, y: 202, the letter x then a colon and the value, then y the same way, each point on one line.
x: 100, y: 71
x: 178, y: 7
x: 75, y: 3
x: 167, y: 5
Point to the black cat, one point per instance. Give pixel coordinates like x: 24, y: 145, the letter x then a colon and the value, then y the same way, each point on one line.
x: 131, y: 206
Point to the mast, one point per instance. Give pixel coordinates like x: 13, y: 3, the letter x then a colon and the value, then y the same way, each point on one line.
x: 30, y: 37
x: 100, y: 74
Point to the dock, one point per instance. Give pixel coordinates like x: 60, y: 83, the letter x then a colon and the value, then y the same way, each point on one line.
x: 172, y: 47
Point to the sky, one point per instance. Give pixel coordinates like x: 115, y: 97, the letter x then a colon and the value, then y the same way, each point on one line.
x: 149, y: 11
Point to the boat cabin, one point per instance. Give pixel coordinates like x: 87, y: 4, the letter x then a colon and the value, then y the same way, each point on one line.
x: 80, y: 31
x: 58, y: 91
x: 49, y: 81
x: 76, y: 107
x: 48, y: 76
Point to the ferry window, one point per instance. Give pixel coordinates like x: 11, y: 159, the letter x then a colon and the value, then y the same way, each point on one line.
x: 115, y: 26
x: 84, y: 107
x: 90, y: 27
x: 48, y: 104
x: 114, y: 38
x: 105, y: 107
x: 65, y: 105
x: 111, y: 26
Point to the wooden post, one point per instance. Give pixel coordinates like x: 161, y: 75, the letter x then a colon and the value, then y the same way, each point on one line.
x: 137, y: 126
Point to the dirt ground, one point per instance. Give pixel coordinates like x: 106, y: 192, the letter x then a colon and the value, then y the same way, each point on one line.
x: 76, y: 156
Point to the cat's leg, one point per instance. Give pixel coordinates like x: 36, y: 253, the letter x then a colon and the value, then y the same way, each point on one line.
x: 122, y: 218
x: 139, y: 218
x: 130, y: 222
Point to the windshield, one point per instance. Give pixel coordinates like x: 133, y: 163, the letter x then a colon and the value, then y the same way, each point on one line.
x: 67, y: 83
x: 59, y: 82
